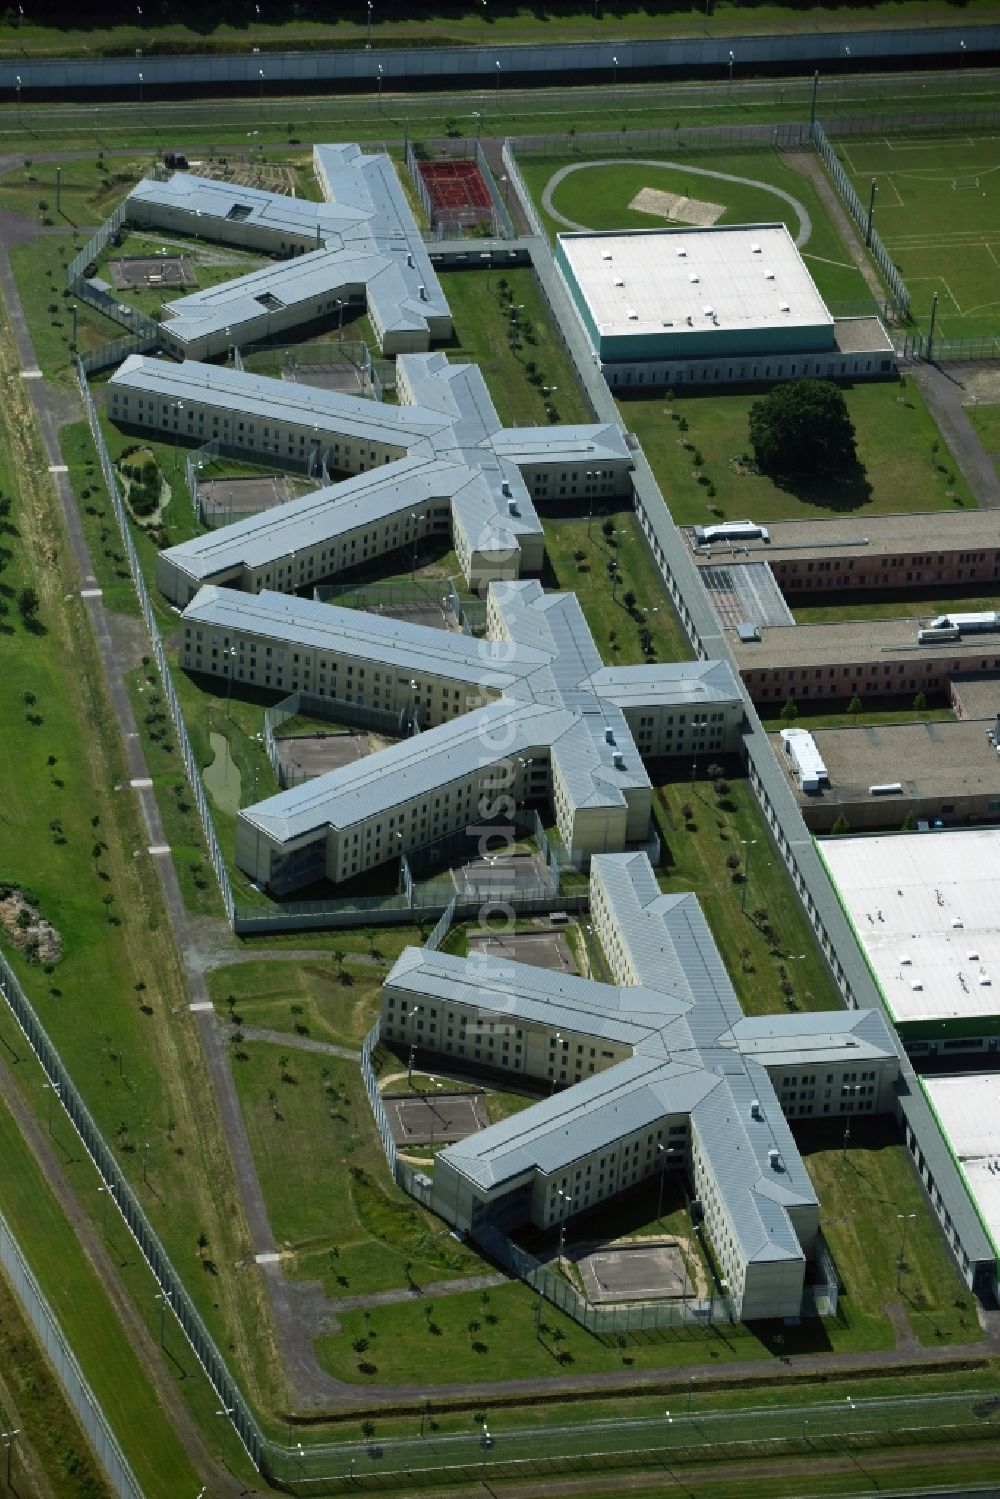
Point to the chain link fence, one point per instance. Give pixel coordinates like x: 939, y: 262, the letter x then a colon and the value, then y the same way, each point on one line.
x: 42, y: 1318
x: 859, y: 214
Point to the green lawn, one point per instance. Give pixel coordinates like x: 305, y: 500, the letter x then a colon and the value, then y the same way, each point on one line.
x: 895, y: 437
x: 73, y: 1288
x: 899, y: 711
x: 482, y: 326
x: 310, y: 1122
x: 695, y: 850
x: 986, y: 420
x: 598, y: 197
x: 863, y: 1195
x: 308, y: 998
x: 615, y: 631
x: 943, y: 240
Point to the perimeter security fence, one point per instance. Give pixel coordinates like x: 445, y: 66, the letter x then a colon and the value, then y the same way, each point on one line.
x: 46, y: 1326
x: 859, y: 214
x: 134, y: 1216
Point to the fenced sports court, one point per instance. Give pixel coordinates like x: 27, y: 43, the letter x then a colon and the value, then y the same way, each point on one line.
x: 456, y: 192
x: 223, y: 500
x: 632, y: 1272
x: 540, y: 949
x: 150, y: 271
x: 422, y: 1119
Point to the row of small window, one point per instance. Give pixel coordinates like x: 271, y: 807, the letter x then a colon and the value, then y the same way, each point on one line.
x: 608, y: 1162
x: 693, y: 374
x: 808, y: 1079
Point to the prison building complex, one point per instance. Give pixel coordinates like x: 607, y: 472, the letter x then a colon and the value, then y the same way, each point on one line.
x: 720, y: 305
x: 658, y: 1069
x: 439, y: 461
x: 359, y: 247
x: 855, y: 553
x: 531, y: 714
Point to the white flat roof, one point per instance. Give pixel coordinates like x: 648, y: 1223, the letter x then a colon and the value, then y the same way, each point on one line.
x: 926, y: 908
x: 968, y: 1108
x: 650, y: 281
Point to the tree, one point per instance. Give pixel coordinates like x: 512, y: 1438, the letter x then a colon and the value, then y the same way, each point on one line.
x: 841, y: 825
x: 803, y: 427
x: 920, y: 702
x: 628, y: 599
x: 790, y: 712
x: 855, y: 706
x: 28, y: 602
x: 608, y: 528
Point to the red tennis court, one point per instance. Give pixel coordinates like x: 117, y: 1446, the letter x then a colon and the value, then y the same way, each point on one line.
x: 457, y: 192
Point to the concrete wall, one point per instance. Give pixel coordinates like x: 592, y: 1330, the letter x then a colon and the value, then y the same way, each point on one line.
x: 476, y: 66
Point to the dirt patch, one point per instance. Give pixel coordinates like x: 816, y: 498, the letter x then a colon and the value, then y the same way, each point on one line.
x: 981, y: 387
x: 676, y: 207
x: 27, y: 928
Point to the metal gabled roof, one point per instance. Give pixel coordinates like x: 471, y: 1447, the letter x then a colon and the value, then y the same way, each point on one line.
x: 414, y: 767
x: 591, y: 1115
x: 376, y: 638
x: 686, y: 684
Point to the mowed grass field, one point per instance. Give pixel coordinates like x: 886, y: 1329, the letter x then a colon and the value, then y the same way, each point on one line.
x: 597, y: 195
x: 942, y: 230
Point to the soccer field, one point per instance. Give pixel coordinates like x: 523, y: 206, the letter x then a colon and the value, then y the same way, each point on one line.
x: 938, y: 211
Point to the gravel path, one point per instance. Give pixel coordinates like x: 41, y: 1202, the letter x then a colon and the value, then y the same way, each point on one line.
x: 805, y: 222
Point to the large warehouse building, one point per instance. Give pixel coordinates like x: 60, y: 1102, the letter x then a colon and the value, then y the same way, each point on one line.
x: 967, y: 1109
x: 659, y: 1067
x: 926, y: 911
x: 720, y: 305
x: 534, y: 716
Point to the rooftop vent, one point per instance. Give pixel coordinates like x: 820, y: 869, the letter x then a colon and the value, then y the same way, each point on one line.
x: 505, y: 487
x: 957, y: 923
x: 618, y: 760
x: 756, y: 1112
x: 708, y: 311
x: 916, y: 986
x: 905, y: 959
x: 681, y: 251
x: 409, y: 258
x: 754, y: 249
x: 774, y: 1157
x: 512, y: 507
x: 768, y: 274
x: 784, y: 307
x: 609, y: 736
x: 632, y: 315
x: 694, y: 277
x: 239, y: 212
x: 422, y: 293
x: 619, y: 280
x: 972, y: 956
x: 606, y: 255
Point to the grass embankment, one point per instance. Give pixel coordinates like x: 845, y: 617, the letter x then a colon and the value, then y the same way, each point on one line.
x: 917, y: 603
x: 900, y: 711
x: 986, y: 420
x: 333, y: 1002
x: 458, y: 24
x: 598, y: 197
x: 905, y: 466
x: 114, y: 1004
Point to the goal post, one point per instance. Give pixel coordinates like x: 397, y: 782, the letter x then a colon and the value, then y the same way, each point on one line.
x: 963, y: 184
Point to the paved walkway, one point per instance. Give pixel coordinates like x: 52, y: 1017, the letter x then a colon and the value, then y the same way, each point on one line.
x: 436, y: 1289
x: 294, y: 1042
x: 941, y: 387
x: 808, y: 163
x: 805, y: 222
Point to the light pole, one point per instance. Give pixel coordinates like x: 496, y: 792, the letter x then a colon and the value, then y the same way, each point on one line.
x: 748, y: 844
x: 614, y: 85
x: 555, y: 1060
x: 847, y: 59
x: 229, y: 652
x: 225, y: 1412
x: 498, y: 77
x: 260, y: 94
x: 163, y: 1297
x: 697, y: 724
x: 17, y: 86
x: 666, y: 1446
x: 563, y: 1210
x: 8, y: 1437
x: 368, y: 43
x: 662, y: 1152
x: 51, y: 1089
x: 850, y: 1418
x: 140, y: 96
x: 961, y: 55
x: 177, y: 407
x: 904, y: 1219
x: 380, y: 88
x: 732, y: 64
x: 416, y: 520
x: 107, y: 1192
x: 482, y: 20
x: 73, y: 310
x: 850, y: 1091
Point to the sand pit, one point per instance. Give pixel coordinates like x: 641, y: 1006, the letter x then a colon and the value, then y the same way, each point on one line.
x: 679, y: 209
